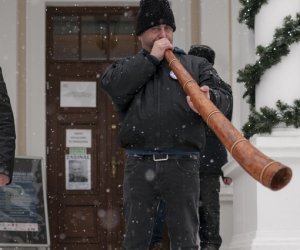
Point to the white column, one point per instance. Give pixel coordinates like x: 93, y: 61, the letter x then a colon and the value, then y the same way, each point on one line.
x: 265, y: 219
x: 282, y: 81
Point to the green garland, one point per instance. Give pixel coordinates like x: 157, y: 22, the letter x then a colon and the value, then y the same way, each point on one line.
x: 267, y: 118
x: 269, y: 56
x: 248, y: 12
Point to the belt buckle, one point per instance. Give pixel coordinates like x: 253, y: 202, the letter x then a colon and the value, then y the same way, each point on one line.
x: 163, y: 158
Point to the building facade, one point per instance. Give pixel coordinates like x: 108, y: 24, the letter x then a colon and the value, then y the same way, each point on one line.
x: 37, y: 67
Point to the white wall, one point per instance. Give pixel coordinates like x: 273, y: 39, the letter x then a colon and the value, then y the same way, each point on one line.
x: 182, y: 13
x: 243, y: 52
x: 215, y: 32
x: 234, y: 46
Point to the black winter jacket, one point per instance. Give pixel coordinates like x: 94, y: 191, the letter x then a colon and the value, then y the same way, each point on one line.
x: 152, y: 105
x: 7, y: 132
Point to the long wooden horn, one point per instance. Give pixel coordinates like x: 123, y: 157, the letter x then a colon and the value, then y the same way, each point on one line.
x: 268, y: 172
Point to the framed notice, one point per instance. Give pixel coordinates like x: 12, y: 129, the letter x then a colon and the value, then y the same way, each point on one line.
x: 78, y: 94
x: 23, y: 206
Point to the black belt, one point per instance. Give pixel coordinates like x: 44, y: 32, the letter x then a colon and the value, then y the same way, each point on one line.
x: 165, y: 157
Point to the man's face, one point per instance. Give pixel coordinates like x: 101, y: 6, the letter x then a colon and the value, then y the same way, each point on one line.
x: 76, y: 168
x: 149, y: 36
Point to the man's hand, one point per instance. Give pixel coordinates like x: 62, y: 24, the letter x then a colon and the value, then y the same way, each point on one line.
x: 205, y: 90
x: 159, y: 48
x: 4, y: 179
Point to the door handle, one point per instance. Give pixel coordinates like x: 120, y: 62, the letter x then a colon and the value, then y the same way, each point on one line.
x: 113, y: 167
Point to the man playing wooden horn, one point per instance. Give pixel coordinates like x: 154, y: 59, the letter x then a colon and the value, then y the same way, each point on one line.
x: 162, y: 136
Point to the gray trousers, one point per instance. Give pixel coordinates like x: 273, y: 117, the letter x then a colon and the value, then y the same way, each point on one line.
x: 146, y: 182
x: 209, y: 211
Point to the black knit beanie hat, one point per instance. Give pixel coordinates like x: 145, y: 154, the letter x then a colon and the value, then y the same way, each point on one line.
x: 153, y: 13
x: 203, y: 51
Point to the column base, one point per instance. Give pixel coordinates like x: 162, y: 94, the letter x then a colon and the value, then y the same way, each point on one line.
x: 268, y: 240
x: 265, y: 219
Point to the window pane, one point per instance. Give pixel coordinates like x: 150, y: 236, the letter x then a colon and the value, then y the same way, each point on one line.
x: 65, y: 38
x: 122, y: 36
x: 94, y: 38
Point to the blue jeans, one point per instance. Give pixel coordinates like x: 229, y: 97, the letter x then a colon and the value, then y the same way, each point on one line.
x: 146, y: 183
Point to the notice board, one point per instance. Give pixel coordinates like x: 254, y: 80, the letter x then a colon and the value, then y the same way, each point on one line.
x: 23, y: 206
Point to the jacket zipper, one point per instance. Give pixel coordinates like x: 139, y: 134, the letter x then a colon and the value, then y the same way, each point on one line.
x: 158, y: 112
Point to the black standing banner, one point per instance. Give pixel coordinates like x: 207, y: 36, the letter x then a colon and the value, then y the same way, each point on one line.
x: 23, y: 207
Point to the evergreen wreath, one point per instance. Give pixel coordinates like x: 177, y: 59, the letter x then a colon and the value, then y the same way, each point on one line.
x: 267, y: 118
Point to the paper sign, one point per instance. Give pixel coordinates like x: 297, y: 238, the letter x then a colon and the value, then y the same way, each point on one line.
x: 79, y: 138
x: 77, y: 151
x: 78, y: 172
x: 78, y: 94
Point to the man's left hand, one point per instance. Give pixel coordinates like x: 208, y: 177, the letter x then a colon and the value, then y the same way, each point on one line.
x: 205, y: 90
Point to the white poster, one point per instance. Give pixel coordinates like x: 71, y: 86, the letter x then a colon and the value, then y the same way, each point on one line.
x: 78, y: 172
x: 79, y: 138
x: 78, y: 94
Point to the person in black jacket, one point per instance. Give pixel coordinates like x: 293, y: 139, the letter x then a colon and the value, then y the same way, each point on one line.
x: 162, y: 136
x: 7, y: 135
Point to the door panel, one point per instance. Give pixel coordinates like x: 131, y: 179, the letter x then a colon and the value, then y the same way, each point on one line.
x: 73, y: 214
x: 81, y: 43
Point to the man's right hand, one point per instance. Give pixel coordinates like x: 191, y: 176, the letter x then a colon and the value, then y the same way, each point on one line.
x: 159, y: 48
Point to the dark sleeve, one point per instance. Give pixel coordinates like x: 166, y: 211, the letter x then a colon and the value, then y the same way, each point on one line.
x: 124, y: 78
x: 7, y: 132
x: 220, y: 92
